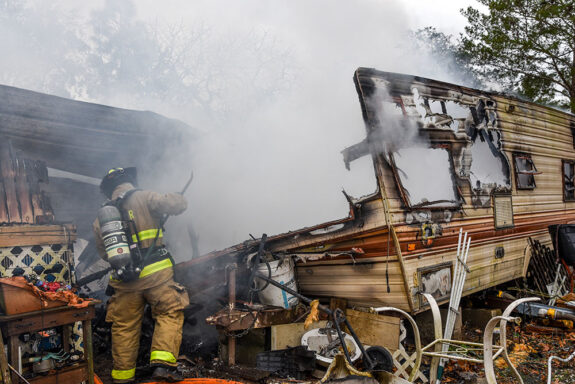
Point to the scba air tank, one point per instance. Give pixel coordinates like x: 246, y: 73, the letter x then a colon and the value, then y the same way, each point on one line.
x: 114, y: 237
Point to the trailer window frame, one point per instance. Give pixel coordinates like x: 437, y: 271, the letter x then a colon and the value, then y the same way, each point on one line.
x: 432, y: 204
x: 568, y: 180
x: 524, y: 178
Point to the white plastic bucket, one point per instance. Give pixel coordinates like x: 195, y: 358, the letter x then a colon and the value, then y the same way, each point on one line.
x: 282, y: 271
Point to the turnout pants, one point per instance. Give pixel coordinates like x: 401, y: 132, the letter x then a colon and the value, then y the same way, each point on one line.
x: 167, y: 300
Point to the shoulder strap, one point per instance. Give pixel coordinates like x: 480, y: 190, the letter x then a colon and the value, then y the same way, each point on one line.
x: 124, y: 197
x: 119, y: 201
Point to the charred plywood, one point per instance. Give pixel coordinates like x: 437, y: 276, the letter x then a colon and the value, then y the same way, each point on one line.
x: 22, y: 201
x: 446, y: 158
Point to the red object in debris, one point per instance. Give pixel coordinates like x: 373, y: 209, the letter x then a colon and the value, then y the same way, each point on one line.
x: 358, y: 250
x: 53, y: 287
x: 17, y: 296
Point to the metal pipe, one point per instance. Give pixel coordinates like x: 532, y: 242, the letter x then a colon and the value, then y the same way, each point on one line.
x: 341, y: 337
x: 455, y: 297
x: 257, y: 262
x: 436, y: 329
x: 416, y: 336
x: 232, y: 268
x: 503, y: 331
x: 307, y: 300
x: 556, y: 358
x: 368, y: 362
x: 396, y: 243
x: 18, y: 374
x: 488, y: 345
x: 545, y: 311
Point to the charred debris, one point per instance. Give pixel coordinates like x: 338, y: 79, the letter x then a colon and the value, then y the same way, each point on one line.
x: 450, y: 162
x: 470, y: 221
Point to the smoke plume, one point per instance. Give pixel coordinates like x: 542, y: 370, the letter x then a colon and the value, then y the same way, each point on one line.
x: 266, y: 85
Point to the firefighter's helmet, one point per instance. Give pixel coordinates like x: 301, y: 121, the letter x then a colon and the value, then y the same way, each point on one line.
x: 117, y: 176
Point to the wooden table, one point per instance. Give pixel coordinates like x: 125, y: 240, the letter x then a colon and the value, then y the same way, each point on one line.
x: 14, y: 325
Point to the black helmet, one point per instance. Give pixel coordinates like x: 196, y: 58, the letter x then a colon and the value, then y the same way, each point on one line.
x: 117, y: 176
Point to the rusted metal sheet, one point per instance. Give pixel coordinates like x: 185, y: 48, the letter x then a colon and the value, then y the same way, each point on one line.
x: 446, y: 157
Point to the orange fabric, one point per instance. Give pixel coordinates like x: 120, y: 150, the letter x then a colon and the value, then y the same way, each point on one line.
x: 313, y: 314
x: 68, y: 297
x: 198, y: 380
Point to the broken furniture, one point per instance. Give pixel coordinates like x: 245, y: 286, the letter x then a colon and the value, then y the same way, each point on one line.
x: 337, y: 317
x: 462, y: 350
x: 236, y: 322
x: 469, y: 351
x: 15, y: 325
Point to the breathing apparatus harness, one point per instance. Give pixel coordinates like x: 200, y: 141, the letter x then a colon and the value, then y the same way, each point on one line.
x: 118, y: 231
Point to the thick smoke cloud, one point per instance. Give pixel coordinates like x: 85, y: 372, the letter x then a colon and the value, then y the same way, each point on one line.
x: 267, y: 86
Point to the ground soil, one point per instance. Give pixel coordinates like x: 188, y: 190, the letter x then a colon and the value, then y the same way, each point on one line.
x: 530, y: 346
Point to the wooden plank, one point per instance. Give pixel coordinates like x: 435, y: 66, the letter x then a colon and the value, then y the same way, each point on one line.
x: 88, y: 349
x: 289, y: 335
x: 4, y: 219
x: 337, y: 303
x: 69, y: 375
x: 26, y: 235
x: 13, y: 343
x: 8, y: 176
x: 38, y: 320
x: 34, y: 170
x: 23, y: 192
x: 4, y: 369
x: 374, y: 329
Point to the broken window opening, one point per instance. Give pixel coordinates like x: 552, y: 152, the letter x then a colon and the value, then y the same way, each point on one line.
x: 524, y: 171
x: 361, y: 182
x: 425, y: 174
x: 432, y: 112
x: 488, y: 163
x: 568, y: 180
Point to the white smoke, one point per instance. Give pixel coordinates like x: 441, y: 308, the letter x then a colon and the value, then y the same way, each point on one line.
x: 267, y: 157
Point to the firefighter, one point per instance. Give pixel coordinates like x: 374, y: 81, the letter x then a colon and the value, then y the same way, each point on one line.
x: 150, y: 278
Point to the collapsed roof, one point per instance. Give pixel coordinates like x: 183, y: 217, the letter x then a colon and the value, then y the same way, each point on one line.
x: 80, y: 137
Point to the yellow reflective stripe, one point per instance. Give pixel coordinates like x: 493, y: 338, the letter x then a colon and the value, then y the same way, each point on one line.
x: 146, y: 235
x: 125, y: 374
x: 155, y: 267
x: 168, y: 357
x: 152, y: 268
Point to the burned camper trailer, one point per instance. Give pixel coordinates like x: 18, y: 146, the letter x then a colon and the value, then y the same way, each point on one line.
x: 446, y: 158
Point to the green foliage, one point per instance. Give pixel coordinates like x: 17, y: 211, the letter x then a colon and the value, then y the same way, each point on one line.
x: 525, y: 45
